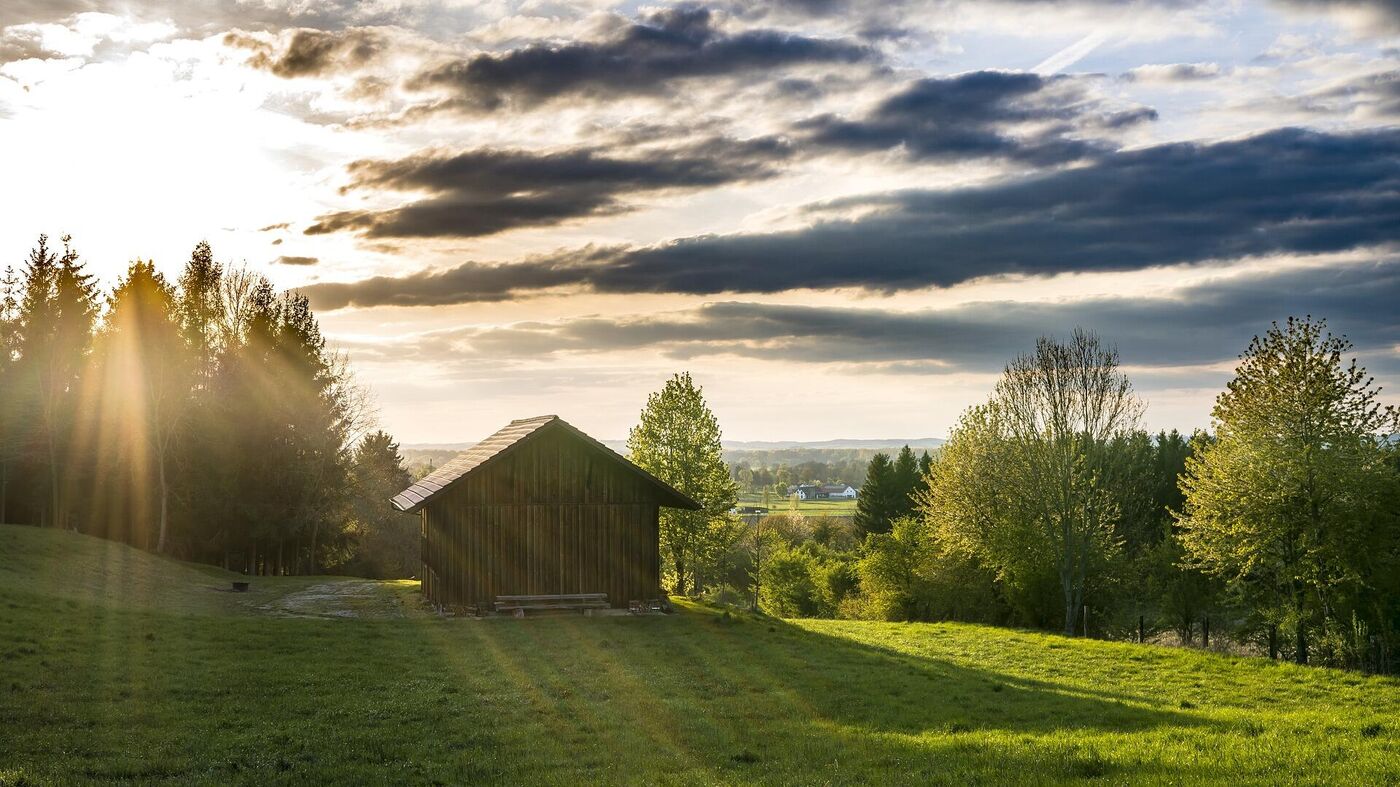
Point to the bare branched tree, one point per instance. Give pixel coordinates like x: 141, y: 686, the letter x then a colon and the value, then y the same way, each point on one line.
x: 1059, y: 408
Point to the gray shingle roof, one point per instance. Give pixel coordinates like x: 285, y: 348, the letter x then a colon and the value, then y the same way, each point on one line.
x: 413, y: 498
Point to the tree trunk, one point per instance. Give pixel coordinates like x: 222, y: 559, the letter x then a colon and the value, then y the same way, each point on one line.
x: 1300, y: 653
x: 54, y: 495
x: 1071, y: 607
x: 164, y: 505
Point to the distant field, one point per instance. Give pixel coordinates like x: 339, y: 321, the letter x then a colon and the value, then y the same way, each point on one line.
x: 804, y: 507
x: 120, y: 667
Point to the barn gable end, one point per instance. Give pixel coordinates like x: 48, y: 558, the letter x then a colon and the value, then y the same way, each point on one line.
x: 539, y: 508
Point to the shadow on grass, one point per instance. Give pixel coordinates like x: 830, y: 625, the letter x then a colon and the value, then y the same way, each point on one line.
x: 114, y: 695
x: 699, y: 697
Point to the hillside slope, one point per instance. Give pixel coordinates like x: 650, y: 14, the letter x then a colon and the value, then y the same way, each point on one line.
x: 128, y: 682
x: 71, y: 568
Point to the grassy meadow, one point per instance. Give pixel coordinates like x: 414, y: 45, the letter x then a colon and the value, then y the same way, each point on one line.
x: 117, y: 666
x: 782, y: 505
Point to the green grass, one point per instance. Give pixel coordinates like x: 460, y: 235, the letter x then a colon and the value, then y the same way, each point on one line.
x: 147, y: 674
x: 804, y: 507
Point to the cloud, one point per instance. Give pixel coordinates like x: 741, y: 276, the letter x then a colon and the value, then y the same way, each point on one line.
x: 206, y: 17
x: 1172, y: 72
x: 1379, y: 17
x: 980, y: 114
x: 23, y: 42
x: 310, y: 52
x: 292, y: 260
x: 1370, y: 96
x: 1286, y: 191
x: 1206, y: 324
x: 645, y: 57
x: 486, y: 191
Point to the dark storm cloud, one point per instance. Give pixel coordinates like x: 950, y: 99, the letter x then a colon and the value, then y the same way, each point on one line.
x: 312, y: 52
x: 1205, y: 324
x: 292, y: 260
x: 482, y: 192
x: 975, y: 115
x: 1287, y: 191
x: 643, y: 57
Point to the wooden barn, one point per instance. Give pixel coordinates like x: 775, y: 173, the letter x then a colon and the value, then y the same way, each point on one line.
x: 540, y: 509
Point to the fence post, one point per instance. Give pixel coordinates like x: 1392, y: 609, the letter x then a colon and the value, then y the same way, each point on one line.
x: 1141, y: 629
x: 1205, y: 632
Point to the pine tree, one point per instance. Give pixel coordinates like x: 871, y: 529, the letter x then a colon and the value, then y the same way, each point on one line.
x: 906, y: 481
x: 878, y: 503
x: 387, y: 539
x: 198, y: 309
x: 147, y: 368
x: 9, y: 354
x: 57, y: 316
x: 678, y: 441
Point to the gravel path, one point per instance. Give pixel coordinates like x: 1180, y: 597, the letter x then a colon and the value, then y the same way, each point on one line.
x: 351, y: 598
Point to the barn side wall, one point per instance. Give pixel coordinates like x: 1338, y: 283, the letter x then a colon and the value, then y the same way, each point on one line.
x: 553, y: 516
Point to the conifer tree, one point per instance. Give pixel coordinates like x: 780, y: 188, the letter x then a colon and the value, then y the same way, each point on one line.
x: 57, y: 317
x: 906, y: 481
x: 146, y: 371
x: 878, y: 503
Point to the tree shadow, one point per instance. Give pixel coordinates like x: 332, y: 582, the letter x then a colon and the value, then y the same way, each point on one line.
x: 702, y: 696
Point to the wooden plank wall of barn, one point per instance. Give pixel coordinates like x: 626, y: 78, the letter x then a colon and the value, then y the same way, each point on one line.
x: 553, y: 516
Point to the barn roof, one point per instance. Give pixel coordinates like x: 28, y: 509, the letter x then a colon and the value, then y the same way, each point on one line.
x: 505, y: 441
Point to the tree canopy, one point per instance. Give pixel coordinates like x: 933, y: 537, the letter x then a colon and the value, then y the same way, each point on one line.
x: 678, y: 440
x: 1297, y: 488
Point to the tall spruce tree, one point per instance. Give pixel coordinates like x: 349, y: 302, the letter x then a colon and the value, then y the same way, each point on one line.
x: 146, y: 368
x: 9, y: 354
x: 906, y: 476
x: 57, y: 317
x: 879, y: 502
x: 678, y: 441
x: 387, y: 539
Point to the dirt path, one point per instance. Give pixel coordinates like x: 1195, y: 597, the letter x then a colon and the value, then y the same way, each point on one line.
x: 348, y: 598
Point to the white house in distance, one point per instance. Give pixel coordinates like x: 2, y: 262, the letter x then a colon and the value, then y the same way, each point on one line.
x: 822, y: 491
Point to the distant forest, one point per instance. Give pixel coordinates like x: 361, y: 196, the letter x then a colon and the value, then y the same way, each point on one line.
x: 203, y: 417
x: 754, y: 470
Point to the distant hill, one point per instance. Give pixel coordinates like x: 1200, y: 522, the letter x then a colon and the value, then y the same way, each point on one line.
x: 846, y: 443
x: 420, y: 456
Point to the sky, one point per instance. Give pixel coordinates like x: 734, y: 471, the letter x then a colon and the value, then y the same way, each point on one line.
x: 842, y: 217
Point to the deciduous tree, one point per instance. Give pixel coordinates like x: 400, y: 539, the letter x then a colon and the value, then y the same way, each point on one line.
x: 1284, y: 501
x: 678, y: 441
